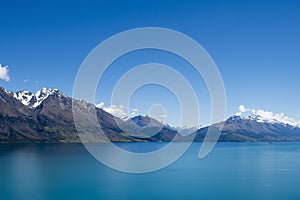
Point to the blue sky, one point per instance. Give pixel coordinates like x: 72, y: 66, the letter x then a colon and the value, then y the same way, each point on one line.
x: 255, y: 45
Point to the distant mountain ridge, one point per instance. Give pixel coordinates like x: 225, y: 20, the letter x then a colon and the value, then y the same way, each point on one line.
x: 249, y: 129
x: 47, y: 116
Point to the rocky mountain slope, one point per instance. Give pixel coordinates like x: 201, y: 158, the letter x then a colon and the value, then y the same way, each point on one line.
x: 22, y: 120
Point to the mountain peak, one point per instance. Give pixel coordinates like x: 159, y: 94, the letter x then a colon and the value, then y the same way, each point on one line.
x: 234, y: 118
x: 34, y: 100
x: 146, y: 120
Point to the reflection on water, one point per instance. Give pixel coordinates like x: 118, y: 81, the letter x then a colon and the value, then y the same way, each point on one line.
x: 231, y: 171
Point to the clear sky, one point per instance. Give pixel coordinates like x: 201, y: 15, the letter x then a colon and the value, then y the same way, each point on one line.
x: 255, y: 45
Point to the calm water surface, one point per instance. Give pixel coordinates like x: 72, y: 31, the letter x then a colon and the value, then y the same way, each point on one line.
x: 231, y: 171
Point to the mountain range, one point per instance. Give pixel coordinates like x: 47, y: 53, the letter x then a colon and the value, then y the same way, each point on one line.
x: 47, y: 117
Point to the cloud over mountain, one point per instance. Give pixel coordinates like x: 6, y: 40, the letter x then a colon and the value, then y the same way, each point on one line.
x: 267, y: 116
x: 118, y: 110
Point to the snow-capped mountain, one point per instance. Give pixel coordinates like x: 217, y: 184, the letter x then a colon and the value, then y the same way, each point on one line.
x: 266, y: 119
x: 264, y: 116
x: 34, y: 100
x: 253, y: 128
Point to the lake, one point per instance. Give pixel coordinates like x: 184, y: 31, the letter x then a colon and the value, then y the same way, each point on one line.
x: 230, y: 171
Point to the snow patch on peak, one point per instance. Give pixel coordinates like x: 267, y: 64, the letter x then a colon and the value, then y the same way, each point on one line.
x: 23, y: 96
x: 263, y: 116
x: 34, y: 100
x: 6, y: 91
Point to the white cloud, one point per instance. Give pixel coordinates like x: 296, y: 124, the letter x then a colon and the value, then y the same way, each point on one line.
x: 26, y: 80
x: 118, y: 110
x: 267, y: 115
x: 134, y: 111
x: 100, y: 105
x: 4, y: 73
x: 243, y: 109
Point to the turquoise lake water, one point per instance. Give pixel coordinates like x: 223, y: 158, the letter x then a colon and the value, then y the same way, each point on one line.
x: 231, y: 171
